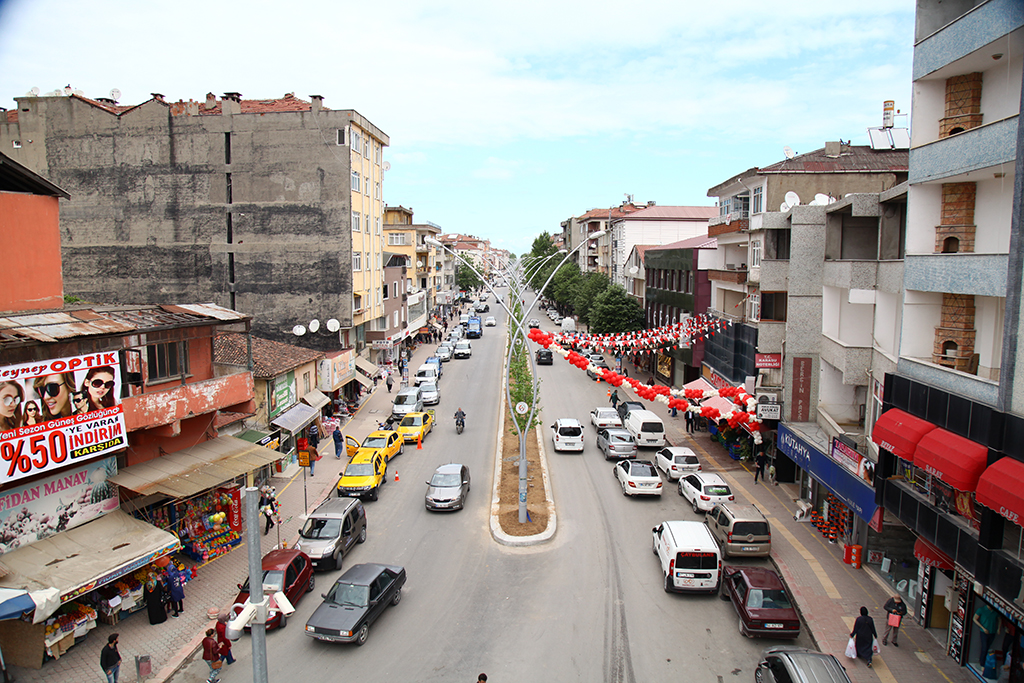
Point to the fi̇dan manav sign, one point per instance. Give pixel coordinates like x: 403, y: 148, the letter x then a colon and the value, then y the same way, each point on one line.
x: 59, y: 412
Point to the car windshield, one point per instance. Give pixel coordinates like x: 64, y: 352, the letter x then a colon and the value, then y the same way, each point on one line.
x: 643, y: 470
x: 750, y: 529
x: 443, y: 480
x: 375, y: 442
x: 359, y: 469
x: 606, y: 413
x: 273, y: 581
x: 405, y: 400
x: 717, y: 490
x: 412, y: 421
x: 768, y: 598
x: 319, y: 527
x: 348, y: 594
x: 620, y: 438
x: 652, y: 427
x: 570, y: 431
x: 462, y: 345
x: 696, y: 560
x: 686, y: 459
x: 428, y: 387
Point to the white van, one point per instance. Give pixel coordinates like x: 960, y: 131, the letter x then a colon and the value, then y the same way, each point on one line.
x: 426, y: 373
x: 568, y: 325
x: 646, y: 427
x: 464, y: 319
x: 690, y: 559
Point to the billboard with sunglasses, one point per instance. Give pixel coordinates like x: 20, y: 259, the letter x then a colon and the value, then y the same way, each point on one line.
x: 59, y: 412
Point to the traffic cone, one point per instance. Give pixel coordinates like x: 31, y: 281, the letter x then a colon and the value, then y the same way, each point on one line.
x: 419, y: 442
x: 396, y: 475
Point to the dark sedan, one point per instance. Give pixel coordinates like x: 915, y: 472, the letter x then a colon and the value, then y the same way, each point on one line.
x: 762, y: 602
x: 545, y: 357
x: 448, y: 488
x: 290, y: 571
x: 355, y: 601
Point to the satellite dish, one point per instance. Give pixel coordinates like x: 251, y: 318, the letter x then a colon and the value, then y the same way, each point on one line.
x: 115, y: 94
x: 333, y: 325
x: 314, y: 325
x: 792, y: 198
x: 80, y: 93
x: 788, y: 151
x: 386, y: 166
x: 822, y: 199
x: 419, y: 264
x: 298, y: 330
x: 34, y: 92
x: 783, y: 207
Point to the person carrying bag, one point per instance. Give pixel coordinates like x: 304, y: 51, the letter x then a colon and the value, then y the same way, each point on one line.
x: 895, y: 609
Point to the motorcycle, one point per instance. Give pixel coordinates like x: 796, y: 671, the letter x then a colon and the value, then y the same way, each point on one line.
x: 460, y: 424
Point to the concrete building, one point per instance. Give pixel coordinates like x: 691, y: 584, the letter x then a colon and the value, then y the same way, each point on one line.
x: 403, y: 236
x: 596, y: 256
x: 636, y: 273
x: 271, y: 207
x: 951, y: 460
x: 650, y: 225
x: 386, y: 342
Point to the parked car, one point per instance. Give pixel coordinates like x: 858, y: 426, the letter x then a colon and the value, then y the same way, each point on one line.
x: 448, y: 488
x: 431, y: 394
x: 463, y: 349
x: 788, y: 663
x: 762, y: 603
x: 567, y: 434
x: 481, y: 307
x: 364, y: 476
x: 704, y: 491
x: 533, y: 323
x: 355, y: 601
x: 594, y: 357
x: 690, y: 559
x: 489, y: 321
x: 333, y: 529
x: 625, y: 406
x: 545, y: 357
x: 740, y: 530
x: 592, y: 372
x: 638, y: 478
x: 387, y: 442
x: 444, y: 352
x: 415, y: 426
x: 408, y: 400
x: 290, y: 571
x: 675, y: 461
x: 603, y: 417
x: 616, y: 443
x: 436, y: 360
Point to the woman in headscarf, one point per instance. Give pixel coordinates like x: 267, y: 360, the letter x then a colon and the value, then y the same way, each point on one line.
x: 154, y: 596
x: 864, y: 635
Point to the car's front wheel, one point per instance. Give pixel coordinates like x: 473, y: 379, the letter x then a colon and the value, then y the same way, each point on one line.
x: 397, y: 597
x: 363, y: 634
x: 401, y: 448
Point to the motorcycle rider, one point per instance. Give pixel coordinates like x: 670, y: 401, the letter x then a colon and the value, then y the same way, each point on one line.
x: 460, y: 417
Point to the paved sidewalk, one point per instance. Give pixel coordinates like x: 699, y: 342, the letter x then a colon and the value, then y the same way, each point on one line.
x: 172, y: 644
x: 829, y: 592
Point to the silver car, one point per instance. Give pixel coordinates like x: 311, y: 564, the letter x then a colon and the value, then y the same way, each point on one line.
x: 431, y: 394
x: 448, y: 488
x: 616, y: 444
x: 444, y: 351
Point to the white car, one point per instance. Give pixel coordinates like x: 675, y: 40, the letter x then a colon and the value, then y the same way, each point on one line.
x: 444, y: 352
x: 638, y: 478
x: 489, y: 321
x: 603, y: 417
x: 463, y: 349
x: 675, y: 461
x: 704, y: 491
x: 567, y: 435
x: 431, y: 394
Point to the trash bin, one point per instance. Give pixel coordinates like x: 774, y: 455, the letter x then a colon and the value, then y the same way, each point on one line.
x: 143, y: 667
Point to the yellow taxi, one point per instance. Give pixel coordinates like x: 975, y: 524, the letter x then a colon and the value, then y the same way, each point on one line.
x: 386, y: 441
x: 415, y: 426
x: 364, y: 476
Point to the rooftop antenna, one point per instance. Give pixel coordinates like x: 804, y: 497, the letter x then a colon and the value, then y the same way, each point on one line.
x: 788, y: 151
x: 34, y: 92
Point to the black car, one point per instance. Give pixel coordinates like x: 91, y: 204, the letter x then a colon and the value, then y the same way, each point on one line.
x: 545, y: 357
x: 355, y: 601
x: 625, y: 406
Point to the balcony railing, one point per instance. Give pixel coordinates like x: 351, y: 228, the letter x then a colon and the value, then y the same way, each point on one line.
x: 736, y: 276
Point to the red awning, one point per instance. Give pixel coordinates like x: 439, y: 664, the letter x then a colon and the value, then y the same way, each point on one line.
x: 899, y: 432
x: 932, y: 556
x: 1001, y: 489
x: 955, y: 460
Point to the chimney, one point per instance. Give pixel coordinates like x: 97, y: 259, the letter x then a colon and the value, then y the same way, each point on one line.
x: 232, y: 103
x: 833, y: 149
x: 316, y: 103
x: 211, y: 101
x: 157, y: 96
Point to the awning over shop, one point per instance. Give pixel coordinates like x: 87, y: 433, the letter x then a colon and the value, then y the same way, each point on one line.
x: 364, y: 380
x: 86, y: 557
x: 366, y: 366
x: 316, y: 400
x: 424, y: 330
x: 436, y: 326
x: 1001, y: 489
x: 296, y: 417
x: 899, y: 432
x: 14, y: 602
x: 252, y: 435
x: 955, y: 460
x: 931, y: 556
x: 196, y: 469
x: 699, y: 383
x: 724, y: 405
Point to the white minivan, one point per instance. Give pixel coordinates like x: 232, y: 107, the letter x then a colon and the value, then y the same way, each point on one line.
x: 647, y: 428
x: 426, y: 373
x: 690, y: 559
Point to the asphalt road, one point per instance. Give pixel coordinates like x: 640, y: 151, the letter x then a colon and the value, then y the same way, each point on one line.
x: 587, y: 606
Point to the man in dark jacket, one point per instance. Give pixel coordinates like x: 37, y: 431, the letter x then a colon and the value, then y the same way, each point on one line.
x: 110, y: 659
x: 894, y: 606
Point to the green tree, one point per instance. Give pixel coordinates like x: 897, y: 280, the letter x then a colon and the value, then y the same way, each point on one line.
x: 614, y: 311
x: 466, y: 279
x: 543, y: 245
x: 590, y: 285
x: 564, y: 285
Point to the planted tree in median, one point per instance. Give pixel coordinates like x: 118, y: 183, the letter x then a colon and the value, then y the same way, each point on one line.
x: 615, y: 311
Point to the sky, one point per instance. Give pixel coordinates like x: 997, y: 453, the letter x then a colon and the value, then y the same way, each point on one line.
x: 505, y: 119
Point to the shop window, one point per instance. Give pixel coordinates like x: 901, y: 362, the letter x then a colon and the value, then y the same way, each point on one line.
x: 169, y: 359
x: 305, y: 383
x: 1012, y: 540
x: 960, y: 504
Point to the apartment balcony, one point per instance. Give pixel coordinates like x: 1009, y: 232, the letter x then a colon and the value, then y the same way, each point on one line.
x: 734, y: 275
x: 167, y: 408
x: 853, y: 361
x: 733, y: 222
x: 771, y: 336
x: 988, y: 146
x: 774, y: 275
x: 422, y: 248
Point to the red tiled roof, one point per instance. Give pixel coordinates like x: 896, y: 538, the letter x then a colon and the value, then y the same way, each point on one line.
x: 269, y: 358
x: 699, y: 242
x: 616, y: 212
x: 288, y: 103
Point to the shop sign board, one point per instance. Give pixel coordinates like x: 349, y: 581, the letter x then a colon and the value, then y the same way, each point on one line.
x: 769, y: 411
x: 281, y: 393
x: 335, y: 371
x: 139, y: 562
x: 800, y: 411
x: 767, y: 360
x: 384, y: 344
x: 715, y: 379
x: 49, y: 506
x: 80, y: 417
x: 852, y: 460
x: 958, y: 619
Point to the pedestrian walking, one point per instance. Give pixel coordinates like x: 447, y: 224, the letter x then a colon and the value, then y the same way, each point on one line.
x: 482, y: 678
x: 211, y: 655
x: 110, y: 659
x: 614, y: 398
x: 175, y: 590
x: 688, y: 418
x: 864, y: 635
x: 390, y: 382
x: 896, y: 609
x: 314, y: 455
x: 222, y: 638
x: 339, y: 443
x: 268, y: 506
x: 314, y: 435
x: 760, y: 460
